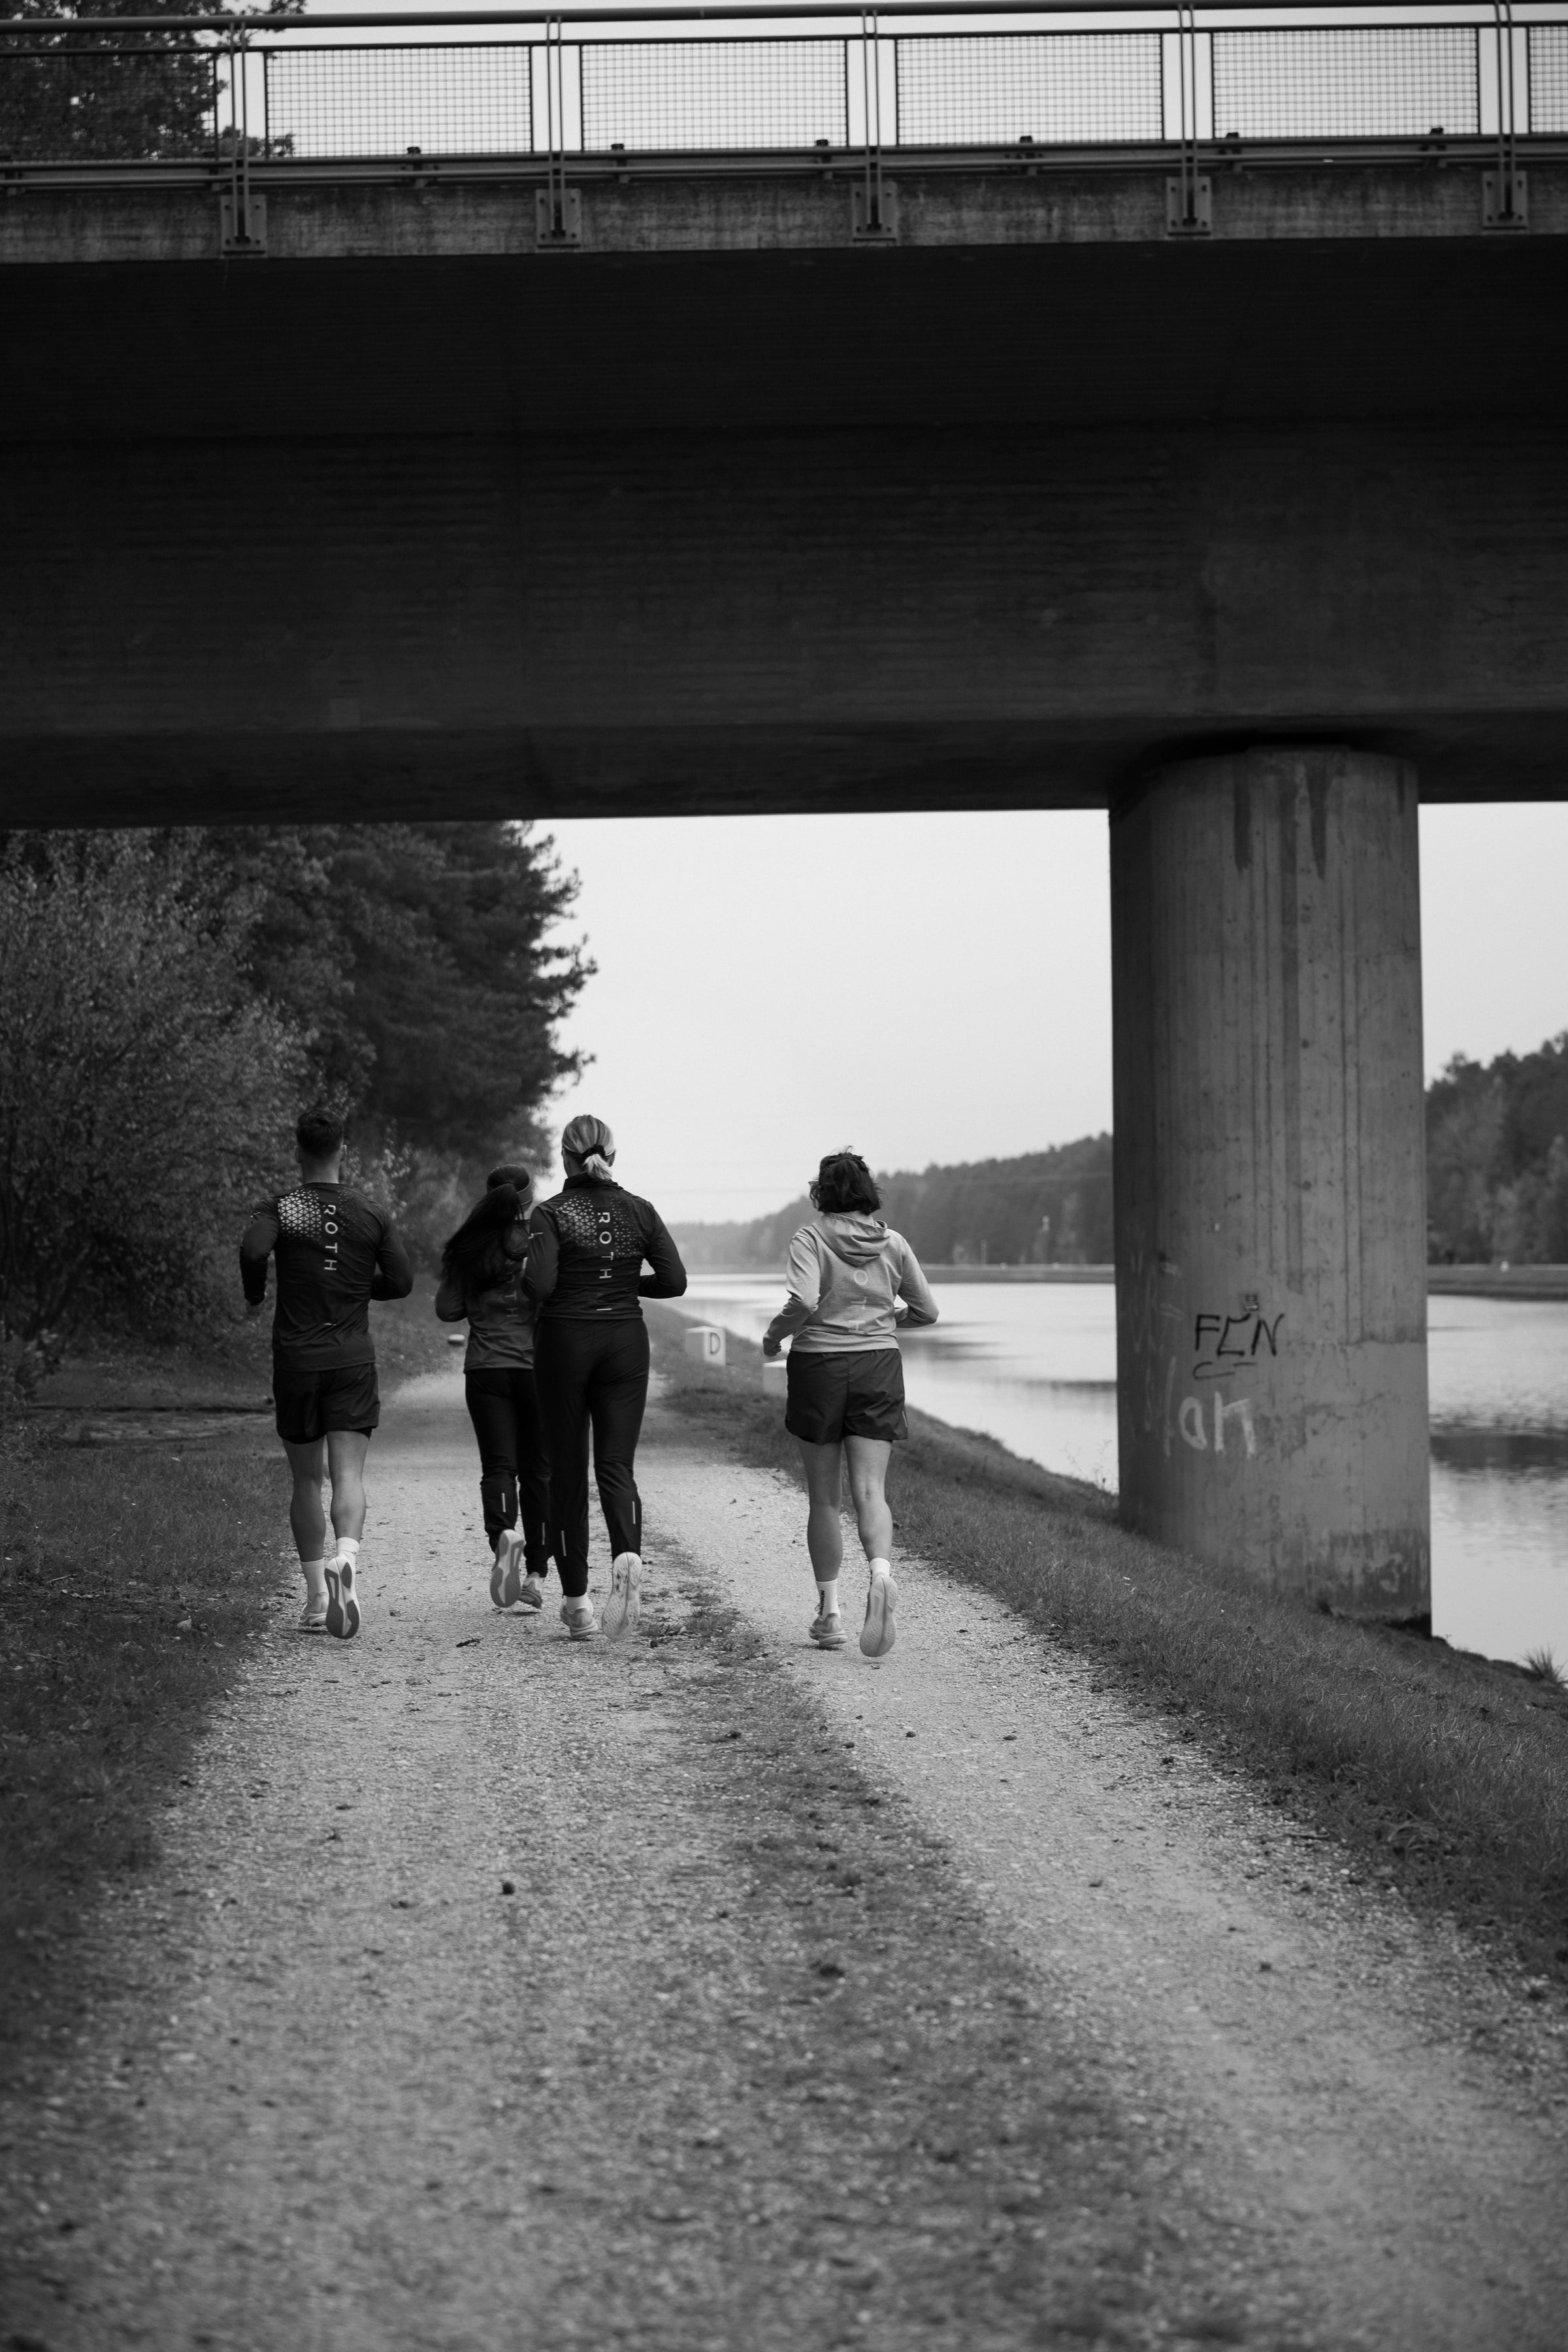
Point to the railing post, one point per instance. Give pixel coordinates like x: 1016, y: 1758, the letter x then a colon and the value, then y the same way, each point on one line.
x: 1505, y: 193
x: 874, y: 203
x: 1189, y: 197
x: 242, y: 214
x: 558, y: 209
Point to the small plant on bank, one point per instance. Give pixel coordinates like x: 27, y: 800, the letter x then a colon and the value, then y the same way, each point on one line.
x: 1541, y: 1667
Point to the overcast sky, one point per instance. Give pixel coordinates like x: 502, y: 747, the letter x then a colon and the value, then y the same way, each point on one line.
x: 938, y: 988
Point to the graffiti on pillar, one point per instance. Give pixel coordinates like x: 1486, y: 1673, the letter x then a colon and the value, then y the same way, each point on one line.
x: 1223, y: 1344
x: 1230, y: 1413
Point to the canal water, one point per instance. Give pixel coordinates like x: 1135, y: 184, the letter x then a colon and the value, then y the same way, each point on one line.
x: 1034, y: 1363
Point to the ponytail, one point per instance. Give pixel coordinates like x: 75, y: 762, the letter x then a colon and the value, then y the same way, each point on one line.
x: 591, y: 1140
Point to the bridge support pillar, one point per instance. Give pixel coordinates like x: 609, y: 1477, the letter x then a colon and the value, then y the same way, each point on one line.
x: 1271, y: 1173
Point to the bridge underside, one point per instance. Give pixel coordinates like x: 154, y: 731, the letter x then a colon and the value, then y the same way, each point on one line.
x: 724, y: 512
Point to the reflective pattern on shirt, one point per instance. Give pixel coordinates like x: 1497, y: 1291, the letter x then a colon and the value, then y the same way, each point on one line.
x: 588, y: 1250
x: 335, y: 1252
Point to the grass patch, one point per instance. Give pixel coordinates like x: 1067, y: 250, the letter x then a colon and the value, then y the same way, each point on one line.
x: 1443, y: 1772
x: 131, y: 1586
x: 133, y: 1577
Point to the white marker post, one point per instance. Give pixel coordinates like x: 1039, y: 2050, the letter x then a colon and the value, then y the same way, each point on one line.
x: 706, y: 1342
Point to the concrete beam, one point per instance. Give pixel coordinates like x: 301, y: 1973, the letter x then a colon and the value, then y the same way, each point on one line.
x: 1270, y: 1174
x: 554, y: 622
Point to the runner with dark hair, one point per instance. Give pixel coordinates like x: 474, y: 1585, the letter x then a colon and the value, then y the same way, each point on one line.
x: 335, y: 1253
x: 585, y: 1258
x: 482, y: 1280
x: 852, y: 1281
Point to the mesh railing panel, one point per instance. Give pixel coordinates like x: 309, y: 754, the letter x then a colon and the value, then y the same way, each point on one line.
x: 713, y: 94
x: 988, y: 89
x: 1345, y: 81
x: 130, y: 105
x: 1549, y: 77
x: 468, y: 99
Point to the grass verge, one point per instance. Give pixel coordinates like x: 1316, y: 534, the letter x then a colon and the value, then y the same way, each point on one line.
x: 132, y: 1578
x: 1441, y: 1772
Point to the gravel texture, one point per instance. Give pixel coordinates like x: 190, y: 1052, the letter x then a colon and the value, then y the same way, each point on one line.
x: 710, y: 1992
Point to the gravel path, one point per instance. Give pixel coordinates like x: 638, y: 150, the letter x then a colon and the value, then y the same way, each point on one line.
x: 710, y: 1993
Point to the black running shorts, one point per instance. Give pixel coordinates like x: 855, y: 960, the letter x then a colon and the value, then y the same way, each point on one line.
x: 857, y: 1394
x: 337, y: 1396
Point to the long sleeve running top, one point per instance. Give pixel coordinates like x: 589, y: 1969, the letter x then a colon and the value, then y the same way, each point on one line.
x: 586, y: 1250
x: 335, y: 1253
x: 501, y: 1321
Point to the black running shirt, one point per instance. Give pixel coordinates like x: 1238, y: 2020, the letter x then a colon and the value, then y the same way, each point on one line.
x: 585, y: 1254
x: 335, y: 1253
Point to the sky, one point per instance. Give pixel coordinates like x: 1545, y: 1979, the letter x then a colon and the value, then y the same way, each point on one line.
x: 931, y: 988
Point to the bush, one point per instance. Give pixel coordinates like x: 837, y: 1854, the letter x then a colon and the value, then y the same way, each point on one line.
x: 145, y: 1092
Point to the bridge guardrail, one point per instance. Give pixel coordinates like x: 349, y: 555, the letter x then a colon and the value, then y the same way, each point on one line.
x: 757, y: 86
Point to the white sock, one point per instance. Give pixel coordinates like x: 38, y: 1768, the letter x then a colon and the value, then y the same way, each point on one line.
x: 881, y: 1568
x: 348, y: 1548
x: 314, y: 1572
x: 827, y: 1598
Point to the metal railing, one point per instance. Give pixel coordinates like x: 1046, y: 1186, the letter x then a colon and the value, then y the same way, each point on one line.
x: 753, y: 83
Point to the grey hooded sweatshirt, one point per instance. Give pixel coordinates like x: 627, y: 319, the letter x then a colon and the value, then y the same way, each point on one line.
x: 846, y: 1276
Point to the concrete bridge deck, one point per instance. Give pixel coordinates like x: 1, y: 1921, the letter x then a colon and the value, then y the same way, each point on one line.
x: 410, y: 510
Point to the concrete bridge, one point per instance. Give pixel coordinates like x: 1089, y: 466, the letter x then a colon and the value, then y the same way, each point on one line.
x: 1146, y: 413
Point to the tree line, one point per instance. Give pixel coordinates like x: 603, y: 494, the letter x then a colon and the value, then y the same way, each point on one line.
x: 1497, y: 1160
x: 1497, y: 1180
x: 169, y: 1001
x: 1044, y: 1208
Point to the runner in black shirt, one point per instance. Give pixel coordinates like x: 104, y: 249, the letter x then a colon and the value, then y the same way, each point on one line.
x: 335, y: 1253
x: 585, y: 1258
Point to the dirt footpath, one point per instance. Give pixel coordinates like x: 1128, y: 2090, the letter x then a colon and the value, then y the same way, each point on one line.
x: 495, y: 1990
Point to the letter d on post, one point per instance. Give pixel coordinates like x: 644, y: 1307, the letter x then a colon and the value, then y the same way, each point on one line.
x: 706, y: 1345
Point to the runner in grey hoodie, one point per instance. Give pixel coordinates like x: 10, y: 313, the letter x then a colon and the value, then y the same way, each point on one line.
x: 852, y: 1281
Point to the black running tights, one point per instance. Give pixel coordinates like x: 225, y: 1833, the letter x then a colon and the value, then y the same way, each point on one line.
x: 514, y: 1468
x: 591, y: 1377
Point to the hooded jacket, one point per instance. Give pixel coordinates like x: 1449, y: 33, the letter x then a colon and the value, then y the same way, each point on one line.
x: 852, y: 1280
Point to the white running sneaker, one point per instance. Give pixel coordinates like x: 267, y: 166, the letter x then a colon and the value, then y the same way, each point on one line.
x: 531, y: 1591
x: 579, y: 1619
x: 878, y: 1634
x: 313, y: 1616
x: 506, y: 1576
x: 342, y: 1601
x: 623, y: 1605
x: 827, y: 1630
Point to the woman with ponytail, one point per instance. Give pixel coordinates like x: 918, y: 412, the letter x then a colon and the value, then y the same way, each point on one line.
x: 481, y: 1281
x: 586, y: 1252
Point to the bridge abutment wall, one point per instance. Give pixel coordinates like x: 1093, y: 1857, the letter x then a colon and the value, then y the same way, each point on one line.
x: 1270, y: 1185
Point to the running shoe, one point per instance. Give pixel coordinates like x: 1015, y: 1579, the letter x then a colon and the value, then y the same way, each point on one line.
x: 531, y: 1591
x: 878, y: 1634
x: 579, y: 1619
x: 622, y: 1608
x: 313, y: 1616
x: 827, y: 1630
x: 342, y: 1606
x: 506, y: 1576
